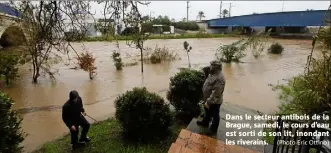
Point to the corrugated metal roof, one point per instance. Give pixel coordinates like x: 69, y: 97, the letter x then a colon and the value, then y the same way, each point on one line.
x: 278, y: 19
x: 6, y: 9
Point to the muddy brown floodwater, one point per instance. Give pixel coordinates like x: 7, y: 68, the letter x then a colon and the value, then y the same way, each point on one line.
x: 247, y: 83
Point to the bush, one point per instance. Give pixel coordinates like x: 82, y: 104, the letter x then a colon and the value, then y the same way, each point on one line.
x: 276, y: 48
x: 10, y: 130
x: 117, y: 60
x: 142, y: 115
x: 86, y: 62
x: 232, y: 52
x: 160, y: 54
x: 186, y: 26
x: 9, y: 66
x: 185, y: 92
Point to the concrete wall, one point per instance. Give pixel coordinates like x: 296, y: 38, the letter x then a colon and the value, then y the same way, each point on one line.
x: 224, y: 30
x: 202, y: 25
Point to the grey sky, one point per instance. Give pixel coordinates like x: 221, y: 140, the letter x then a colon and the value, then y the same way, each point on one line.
x: 177, y: 9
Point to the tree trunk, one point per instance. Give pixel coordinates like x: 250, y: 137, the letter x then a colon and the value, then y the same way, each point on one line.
x: 35, y: 73
x: 188, y: 57
x: 90, y: 75
x: 142, y: 60
x: 7, y: 80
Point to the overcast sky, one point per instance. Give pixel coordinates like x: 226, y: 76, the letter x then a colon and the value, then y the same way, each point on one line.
x: 177, y: 9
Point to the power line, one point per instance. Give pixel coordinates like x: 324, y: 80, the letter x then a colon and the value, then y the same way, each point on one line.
x: 221, y: 9
x: 230, y: 9
x: 283, y: 6
x: 187, y: 3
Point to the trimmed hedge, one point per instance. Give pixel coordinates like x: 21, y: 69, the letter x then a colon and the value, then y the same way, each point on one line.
x: 142, y: 115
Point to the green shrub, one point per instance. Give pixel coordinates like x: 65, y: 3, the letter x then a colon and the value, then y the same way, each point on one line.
x: 142, y: 115
x: 185, y: 92
x: 10, y: 130
x: 186, y: 26
x: 276, y: 48
x: 159, y: 54
x: 155, y: 59
x: 232, y: 52
x: 117, y: 60
x: 9, y: 66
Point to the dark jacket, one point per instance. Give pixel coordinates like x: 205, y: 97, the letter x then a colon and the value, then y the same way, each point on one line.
x: 71, y: 111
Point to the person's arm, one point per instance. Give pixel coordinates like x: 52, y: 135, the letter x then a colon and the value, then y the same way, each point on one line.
x: 66, y: 117
x: 217, y: 92
x: 81, y: 104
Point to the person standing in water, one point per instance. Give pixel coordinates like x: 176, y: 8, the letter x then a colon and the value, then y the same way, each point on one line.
x: 72, y: 116
x: 213, y: 96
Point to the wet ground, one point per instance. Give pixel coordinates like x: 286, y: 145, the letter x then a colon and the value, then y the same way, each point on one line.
x: 247, y: 83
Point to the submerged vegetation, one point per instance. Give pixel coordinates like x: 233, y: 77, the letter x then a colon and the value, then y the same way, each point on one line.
x: 86, y: 62
x: 160, y: 54
x: 309, y: 93
x: 117, y: 60
x: 276, y: 48
x: 188, y: 48
x: 232, y: 52
x: 257, y: 43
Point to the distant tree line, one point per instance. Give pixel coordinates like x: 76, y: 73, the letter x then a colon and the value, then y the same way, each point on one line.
x: 164, y: 20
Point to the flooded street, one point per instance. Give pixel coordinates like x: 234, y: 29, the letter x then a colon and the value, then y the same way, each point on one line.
x: 246, y: 83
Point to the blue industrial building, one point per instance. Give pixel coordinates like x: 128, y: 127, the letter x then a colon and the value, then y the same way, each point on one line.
x: 287, y: 22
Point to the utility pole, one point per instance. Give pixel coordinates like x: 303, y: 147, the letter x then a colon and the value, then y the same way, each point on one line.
x: 221, y: 9
x: 283, y: 6
x: 187, y: 7
x: 230, y: 9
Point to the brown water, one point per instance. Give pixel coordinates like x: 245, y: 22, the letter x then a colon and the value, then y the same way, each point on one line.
x: 247, y: 83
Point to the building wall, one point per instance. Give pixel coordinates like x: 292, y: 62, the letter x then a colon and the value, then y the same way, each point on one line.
x: 258, y: 29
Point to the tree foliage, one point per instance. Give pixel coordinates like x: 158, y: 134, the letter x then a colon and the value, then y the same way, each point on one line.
x: 45, y: 23
x: 10, y: 126
x: 129, y: 13
x: 86, y: 62
x: 258, y: 42
x: 201, y: 15
x: 9, y: 66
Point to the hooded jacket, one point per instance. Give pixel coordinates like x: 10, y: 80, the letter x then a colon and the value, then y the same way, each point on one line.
x: 71, y: 110
x: 213, y: 88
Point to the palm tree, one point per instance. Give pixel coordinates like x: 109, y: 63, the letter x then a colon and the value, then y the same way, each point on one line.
x: 225, y: 12
x: 201, y: 15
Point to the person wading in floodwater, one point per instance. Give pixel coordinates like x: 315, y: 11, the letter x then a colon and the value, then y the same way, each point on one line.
x: 72, y: 116
x: 213, y: 96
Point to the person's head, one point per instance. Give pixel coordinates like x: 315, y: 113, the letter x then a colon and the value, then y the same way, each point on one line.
x: 206, y: 70
x: 215, y: 66
x: 73, y: 95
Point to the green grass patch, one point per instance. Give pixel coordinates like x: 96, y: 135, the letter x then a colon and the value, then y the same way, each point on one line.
x: 106, y: 137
